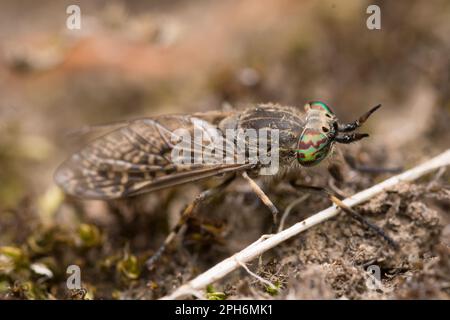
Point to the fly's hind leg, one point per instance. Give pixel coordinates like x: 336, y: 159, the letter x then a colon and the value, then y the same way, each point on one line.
x: 185, y: 215
x: 355, y: 215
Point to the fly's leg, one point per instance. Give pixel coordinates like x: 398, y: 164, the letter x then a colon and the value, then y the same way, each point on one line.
x: 186, y: 214
x: 355, y: 215
x: 264, y: 198
x: 350, y: 160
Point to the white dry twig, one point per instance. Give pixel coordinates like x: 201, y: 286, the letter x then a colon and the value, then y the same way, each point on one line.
x: 261, y: 279
x: 230, y: 264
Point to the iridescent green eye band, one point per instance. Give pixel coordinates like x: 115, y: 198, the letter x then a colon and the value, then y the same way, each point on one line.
x: 320, y: 106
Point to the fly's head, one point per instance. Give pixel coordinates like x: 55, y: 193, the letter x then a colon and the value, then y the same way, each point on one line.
x: 316, y: 140
x: 322, y: 129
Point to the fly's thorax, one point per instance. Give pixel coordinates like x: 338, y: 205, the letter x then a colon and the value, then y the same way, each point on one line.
x: 277, y: 126
x: 288, y: 121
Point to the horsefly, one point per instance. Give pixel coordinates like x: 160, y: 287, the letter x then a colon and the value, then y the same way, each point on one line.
x: 151, y: 154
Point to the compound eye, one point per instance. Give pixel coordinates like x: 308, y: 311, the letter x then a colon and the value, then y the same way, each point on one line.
x: 313, y: 146
x: 319, y: 105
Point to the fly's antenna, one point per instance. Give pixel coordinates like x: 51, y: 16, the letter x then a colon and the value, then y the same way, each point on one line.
x: 350, y: 137
x: 348, y: 127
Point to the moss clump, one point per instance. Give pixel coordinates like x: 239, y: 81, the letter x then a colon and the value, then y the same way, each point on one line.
x: 212, y: 294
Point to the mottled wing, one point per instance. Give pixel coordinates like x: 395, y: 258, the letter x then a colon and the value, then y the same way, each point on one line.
x: 134, y: 159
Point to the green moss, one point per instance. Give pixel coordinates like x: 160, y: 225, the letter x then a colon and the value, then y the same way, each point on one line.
x: 129, y: 267
x: 89, y: 235
x: 211, y: 294
x: 273, y: 291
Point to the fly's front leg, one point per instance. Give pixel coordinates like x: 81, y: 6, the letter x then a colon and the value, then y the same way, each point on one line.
x: 350, y: 160
x: 349, y: 211
x: 261, y: 195
x: 186, y: 214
